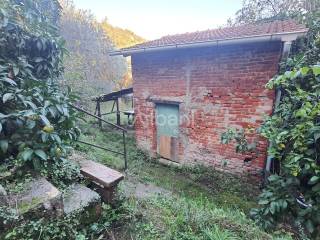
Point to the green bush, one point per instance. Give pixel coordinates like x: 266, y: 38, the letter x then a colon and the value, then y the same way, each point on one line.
x: 36, y: 123
x: 294, y: 135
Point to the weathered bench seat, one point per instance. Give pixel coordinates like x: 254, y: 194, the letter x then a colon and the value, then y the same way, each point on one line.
x: 100, y: 174
x: 103, y: 179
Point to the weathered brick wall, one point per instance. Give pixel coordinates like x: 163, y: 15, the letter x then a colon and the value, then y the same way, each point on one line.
x: 218, y: 88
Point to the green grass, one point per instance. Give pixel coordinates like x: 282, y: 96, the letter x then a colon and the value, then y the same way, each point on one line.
x: 177, y: 217
x: 204, y: 204
x: 224, y: 189
x: 196, y: 218
x: 104, y: 138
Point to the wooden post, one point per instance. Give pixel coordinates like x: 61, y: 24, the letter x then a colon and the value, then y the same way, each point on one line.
x: 95, y: 111
x: 118, y: 113
x: 99, y: 113
x: 132, y: 103
x: 114, y: 102
x: 125, y: 150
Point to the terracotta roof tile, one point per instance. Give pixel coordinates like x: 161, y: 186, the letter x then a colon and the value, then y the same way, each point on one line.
x: 244, y: 31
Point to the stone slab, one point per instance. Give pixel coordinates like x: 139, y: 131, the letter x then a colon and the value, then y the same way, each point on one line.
x: 3, y: 196
x: 99, y: 173
x: 143, y: 191
x: 169, y: 162
x: 77, y: 197
x: 39, y: 198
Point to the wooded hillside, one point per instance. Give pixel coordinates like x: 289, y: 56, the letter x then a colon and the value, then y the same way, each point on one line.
x: 120, y: 37
x: 90, y: 70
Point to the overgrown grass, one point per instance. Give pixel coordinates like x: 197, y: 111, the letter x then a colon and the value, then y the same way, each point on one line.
x: 224, y: 189
x: 71, y: 227
x: 204, y: 204
x: 184, y: 218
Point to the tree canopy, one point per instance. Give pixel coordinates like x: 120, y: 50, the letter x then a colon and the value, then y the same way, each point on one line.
x: 266, y: 10
x: 122, y: 38
x: 292, y: 193
x: 36, y: 124
x: 89, y: 69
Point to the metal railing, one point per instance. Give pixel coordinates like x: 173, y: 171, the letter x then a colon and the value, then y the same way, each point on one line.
x: 124, y: 131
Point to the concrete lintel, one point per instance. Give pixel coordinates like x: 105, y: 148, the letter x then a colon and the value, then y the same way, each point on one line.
x: 166, y: 100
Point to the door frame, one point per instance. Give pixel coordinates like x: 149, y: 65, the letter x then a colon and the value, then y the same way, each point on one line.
x: 168, y: 144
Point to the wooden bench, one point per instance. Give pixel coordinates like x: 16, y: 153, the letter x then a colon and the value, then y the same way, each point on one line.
x: 129, y: 113
x: 103, y: 179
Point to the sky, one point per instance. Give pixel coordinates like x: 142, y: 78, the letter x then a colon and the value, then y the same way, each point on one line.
x: 153, y: 19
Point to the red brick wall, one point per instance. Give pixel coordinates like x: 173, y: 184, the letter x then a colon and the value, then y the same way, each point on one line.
x: 218, y: 88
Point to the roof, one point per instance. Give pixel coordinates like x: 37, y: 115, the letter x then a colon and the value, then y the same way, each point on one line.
x: 113, y: 95
x: 274, y: 30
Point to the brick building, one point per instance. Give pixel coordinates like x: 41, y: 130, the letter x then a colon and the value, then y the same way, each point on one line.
x: 190, y: 88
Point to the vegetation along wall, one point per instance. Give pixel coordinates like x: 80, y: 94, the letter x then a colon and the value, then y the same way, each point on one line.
x: 216, y: 88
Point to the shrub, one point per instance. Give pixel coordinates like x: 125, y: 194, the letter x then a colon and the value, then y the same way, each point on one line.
x: 36, y: 123
x: 292, y: 194
x: 294, y: 135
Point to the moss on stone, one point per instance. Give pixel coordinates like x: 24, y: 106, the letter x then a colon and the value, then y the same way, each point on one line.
x: 24, y: 207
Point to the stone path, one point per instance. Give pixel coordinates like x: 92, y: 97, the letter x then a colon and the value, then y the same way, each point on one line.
x: 133, y: 188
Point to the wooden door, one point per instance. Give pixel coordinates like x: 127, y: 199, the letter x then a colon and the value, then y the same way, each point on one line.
x: 167, y: 122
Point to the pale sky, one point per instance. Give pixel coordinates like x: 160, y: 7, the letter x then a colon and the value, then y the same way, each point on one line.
x: 153, y: 19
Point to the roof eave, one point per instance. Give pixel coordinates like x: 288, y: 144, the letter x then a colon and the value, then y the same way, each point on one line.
x: 284, y: 37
